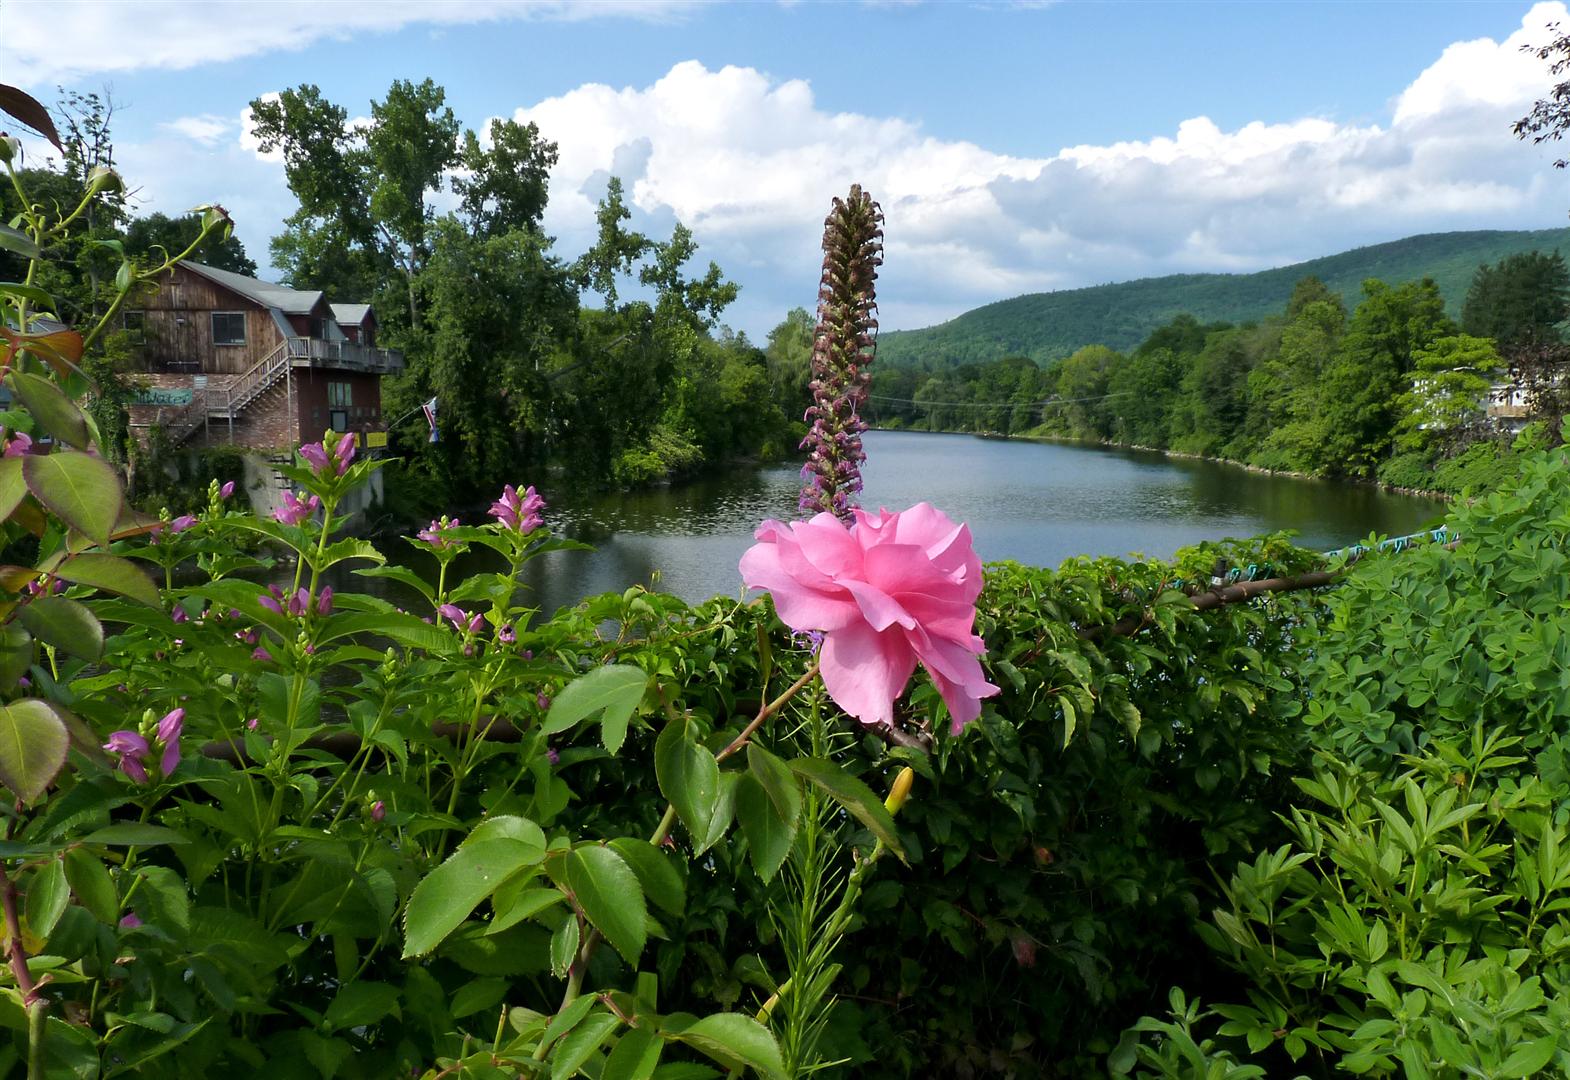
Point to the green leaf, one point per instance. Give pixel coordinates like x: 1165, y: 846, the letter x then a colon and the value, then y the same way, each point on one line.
x: 688, y: 776
x: 83, y: 490
x: 448, y: 894
x: 33, y: 745
x: 47, y: 895
x: 564, y: 947
x: 567, y: 1019
x: 110, y: 573
x: 134, y: 833
x: 18, y: 241
x: 583, y: 1041
x: 656, y: 872
x: 855, y: 796
x: 55, y: 413
x: 13, y: 489
x: 65, y: 624
x: 361, y: 1003
x: 769, y: 834
x: 401, y: 574
x: 736, y: 1042
x: 612, y: 693
x: 1531, y: 1059
x: 478, y: 995
x: 90, y: 882
x: 16, y: 654
x: 634, y: 1056
x: 513, y: 907
x: 607, y: 890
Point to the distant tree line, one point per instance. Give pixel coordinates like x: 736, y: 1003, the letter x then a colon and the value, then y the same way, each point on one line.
x: 1394, y: 390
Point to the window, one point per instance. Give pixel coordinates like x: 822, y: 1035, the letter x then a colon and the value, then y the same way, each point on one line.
x: 340, y: 395
x: 338, y: 420
x: 228, y: 328
x: 136, y: 326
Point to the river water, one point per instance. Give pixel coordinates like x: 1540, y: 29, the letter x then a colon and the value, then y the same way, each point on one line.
x: 1038, y: 503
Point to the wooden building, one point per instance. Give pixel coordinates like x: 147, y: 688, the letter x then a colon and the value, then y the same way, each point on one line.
x: 228, y: 359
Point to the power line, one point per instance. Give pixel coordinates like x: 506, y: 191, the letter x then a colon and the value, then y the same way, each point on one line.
x: 996, y: 404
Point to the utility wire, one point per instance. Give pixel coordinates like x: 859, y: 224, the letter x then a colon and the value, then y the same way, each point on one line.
x: 995, y: 404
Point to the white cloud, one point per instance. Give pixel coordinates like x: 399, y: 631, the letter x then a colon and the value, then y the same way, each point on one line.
x: 750, y: 162
x: 108, y: 36
x: 205, y: 129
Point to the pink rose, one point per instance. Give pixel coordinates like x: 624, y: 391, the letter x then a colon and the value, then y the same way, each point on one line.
x: 886, y: 592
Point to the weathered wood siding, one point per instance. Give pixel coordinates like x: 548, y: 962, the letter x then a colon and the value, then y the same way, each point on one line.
x: 178, y: 327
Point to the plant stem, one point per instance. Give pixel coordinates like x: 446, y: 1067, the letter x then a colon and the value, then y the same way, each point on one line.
x: 16, y: 954
x: 663, y: 830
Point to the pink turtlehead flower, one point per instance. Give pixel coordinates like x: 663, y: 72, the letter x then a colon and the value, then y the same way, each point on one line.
x: 19, y: 444
x: 293, y: 511
x: 343, y: 453
x: 506, y: 634
x: 315, y: 455
x: 886, y: 592
x: 300, y: 602
x: 270, y: 601
x: 324, y: 602
x: 543, y: 700
x: 169, y: 729
x: 132, y: 751
x: 378, y: 810
x: 519, y: 512
x: 227, y: 490
x: 433, y: 533
x: 261, y: 653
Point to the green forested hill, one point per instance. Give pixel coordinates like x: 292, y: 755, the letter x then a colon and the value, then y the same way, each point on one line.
x: 1045, y: 326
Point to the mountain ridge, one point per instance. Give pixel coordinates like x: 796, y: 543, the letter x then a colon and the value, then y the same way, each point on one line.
x: 1048, y: 326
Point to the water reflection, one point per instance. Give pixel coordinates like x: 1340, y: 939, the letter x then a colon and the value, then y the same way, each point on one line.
x: 1039, y: 503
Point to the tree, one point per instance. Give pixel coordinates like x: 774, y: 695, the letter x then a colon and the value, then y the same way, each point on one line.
x: 1284, y: 424
x: 616, y: 249
x: 500, y: 309
x: 145, y: 235
x: 1081, y: 390
x: 1449, y: 386
x: 364, y: 191
x: 1550, y: 116
x: 1145, y: 385
x: 789, y: 353
x: 1522, y: 299
x: 1368, y: 373
x: 507, y: 185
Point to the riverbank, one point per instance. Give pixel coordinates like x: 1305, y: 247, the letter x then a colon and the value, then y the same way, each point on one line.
x: 1107, y: 444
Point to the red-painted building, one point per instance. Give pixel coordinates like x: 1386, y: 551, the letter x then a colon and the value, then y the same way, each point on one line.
x: 228, y: 359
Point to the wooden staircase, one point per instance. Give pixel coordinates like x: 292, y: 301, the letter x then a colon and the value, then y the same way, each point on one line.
x: 225, y: 403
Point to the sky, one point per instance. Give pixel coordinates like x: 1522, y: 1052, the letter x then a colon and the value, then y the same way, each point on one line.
x: 1015, y: 147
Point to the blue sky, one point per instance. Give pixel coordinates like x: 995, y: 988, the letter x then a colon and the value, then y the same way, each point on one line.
x: 1016, y: 147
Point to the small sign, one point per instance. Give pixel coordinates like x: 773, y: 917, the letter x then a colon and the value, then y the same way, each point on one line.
x: 375, y: 439
x: 199, y: 382
x: 156, y: 395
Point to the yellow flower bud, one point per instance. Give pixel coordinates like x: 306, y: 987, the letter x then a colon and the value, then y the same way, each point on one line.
x: 901, y: 789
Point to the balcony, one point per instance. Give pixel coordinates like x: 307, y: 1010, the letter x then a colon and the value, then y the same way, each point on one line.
x: 345, y: 355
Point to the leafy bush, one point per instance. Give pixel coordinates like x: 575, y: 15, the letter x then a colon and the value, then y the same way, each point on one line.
x: 1416, y: 926
x: 1423, y: 645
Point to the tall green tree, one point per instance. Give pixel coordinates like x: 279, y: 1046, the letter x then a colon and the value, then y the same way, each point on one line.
x: 145, y: 236
x: 1082, y: 408
x: 1450, y: 382
x: 1369, y: 372
x: 507, y: 184
x: 1523, y: 299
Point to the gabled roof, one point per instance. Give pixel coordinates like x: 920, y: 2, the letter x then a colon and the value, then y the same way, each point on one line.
x: 350, y: 314
x: 289, y: 301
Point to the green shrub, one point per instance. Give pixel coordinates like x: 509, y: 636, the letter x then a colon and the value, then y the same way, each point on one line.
x: 1415, y: 926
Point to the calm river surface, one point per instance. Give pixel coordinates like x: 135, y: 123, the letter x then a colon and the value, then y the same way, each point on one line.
x: 1038, y: 503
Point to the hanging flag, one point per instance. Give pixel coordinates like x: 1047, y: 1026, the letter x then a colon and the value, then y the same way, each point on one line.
x: 430, y: 416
